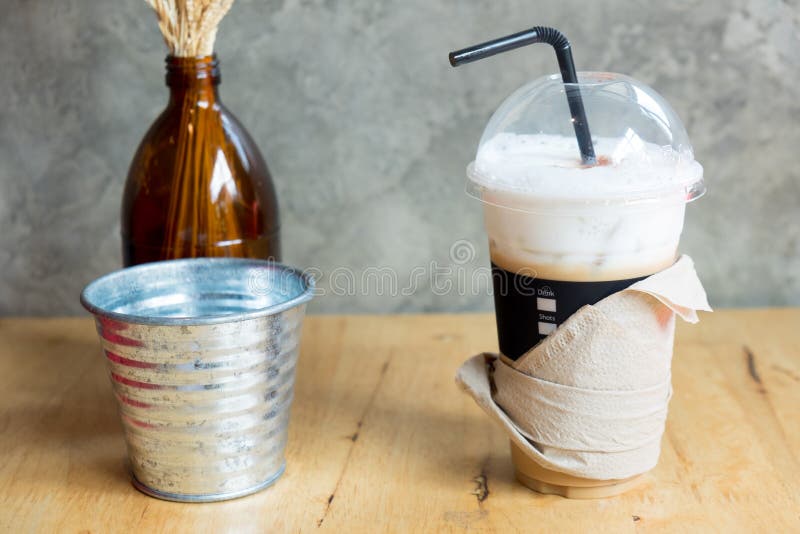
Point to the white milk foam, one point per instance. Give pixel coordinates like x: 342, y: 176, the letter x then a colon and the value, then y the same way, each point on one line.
x: 572, y: 223
x: 549, y: 166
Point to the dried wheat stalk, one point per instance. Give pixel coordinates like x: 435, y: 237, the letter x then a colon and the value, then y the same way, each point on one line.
x: 189, y: 27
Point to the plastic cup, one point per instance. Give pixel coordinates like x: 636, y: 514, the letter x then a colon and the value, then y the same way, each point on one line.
x: 563, y: 235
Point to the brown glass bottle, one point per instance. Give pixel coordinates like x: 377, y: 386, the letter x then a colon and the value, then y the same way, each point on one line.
x: 198, y: 185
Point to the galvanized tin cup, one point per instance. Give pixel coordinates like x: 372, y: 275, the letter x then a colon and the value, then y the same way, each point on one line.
x: 201, y: 354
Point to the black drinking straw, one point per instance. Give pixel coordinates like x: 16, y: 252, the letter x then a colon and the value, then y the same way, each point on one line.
x: 551, y: 36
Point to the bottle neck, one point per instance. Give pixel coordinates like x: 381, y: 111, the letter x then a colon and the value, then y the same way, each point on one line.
x: 193, y: 77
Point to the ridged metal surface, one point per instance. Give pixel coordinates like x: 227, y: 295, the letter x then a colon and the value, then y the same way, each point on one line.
x: 205, y: 406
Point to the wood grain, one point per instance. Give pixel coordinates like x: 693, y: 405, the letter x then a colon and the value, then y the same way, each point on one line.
x: 381, y: 440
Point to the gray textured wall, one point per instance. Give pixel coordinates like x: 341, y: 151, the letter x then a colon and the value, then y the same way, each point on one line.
x: 367, y: 130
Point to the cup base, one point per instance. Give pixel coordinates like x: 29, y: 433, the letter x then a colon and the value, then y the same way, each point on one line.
x: 205, y: 497
x: 547, y: 481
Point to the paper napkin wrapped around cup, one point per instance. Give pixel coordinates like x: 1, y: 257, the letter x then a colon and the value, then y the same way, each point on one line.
x: 591, y: 399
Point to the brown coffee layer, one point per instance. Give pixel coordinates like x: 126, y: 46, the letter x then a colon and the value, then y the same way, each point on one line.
x: 597, y: 271
x: 544, y: 480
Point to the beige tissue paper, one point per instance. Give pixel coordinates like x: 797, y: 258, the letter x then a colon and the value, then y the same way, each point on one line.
x: 591, y: 399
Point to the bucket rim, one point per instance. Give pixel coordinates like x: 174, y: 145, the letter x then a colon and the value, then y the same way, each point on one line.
x: 89, y: 294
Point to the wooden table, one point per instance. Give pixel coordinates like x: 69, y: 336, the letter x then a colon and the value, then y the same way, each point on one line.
x: 381, y: 439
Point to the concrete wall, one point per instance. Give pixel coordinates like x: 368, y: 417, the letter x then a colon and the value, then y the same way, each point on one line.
x: 367, y: 131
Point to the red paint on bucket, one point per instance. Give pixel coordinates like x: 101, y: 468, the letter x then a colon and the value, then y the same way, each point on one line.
x: 116, y: 358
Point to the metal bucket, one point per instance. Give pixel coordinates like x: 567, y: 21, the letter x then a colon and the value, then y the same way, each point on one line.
x: 201, y: 354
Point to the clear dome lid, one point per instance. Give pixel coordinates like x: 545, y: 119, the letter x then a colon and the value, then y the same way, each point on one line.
x: 529, y: 156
